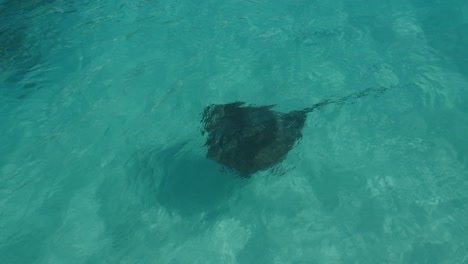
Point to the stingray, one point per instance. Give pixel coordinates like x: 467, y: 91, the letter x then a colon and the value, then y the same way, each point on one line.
x: 247, y: 139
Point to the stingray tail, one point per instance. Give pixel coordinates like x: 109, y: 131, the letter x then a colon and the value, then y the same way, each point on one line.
x: 349, y: 99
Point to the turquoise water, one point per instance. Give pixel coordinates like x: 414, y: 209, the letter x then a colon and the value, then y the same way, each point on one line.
x: 102, y: 159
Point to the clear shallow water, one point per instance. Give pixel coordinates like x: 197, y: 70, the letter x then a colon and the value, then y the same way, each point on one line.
x: 102, y: 161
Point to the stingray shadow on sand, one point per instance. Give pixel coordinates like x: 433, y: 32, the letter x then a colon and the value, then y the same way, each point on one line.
x: 176, y: 178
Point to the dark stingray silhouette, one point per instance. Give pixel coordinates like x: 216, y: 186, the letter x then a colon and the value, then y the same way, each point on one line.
x: 248, y: 139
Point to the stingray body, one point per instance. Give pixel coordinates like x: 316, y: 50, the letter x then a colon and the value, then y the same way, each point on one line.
x: 248, y: 139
